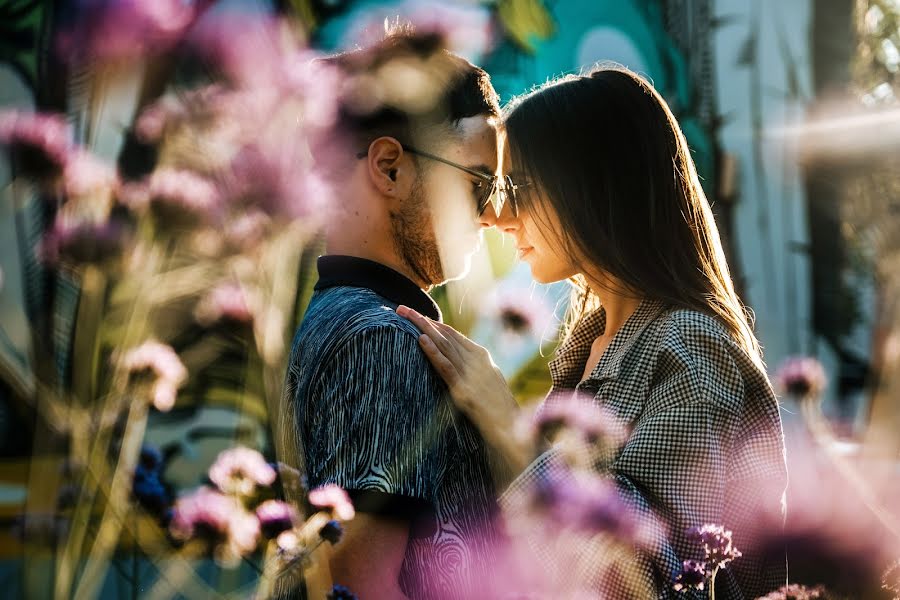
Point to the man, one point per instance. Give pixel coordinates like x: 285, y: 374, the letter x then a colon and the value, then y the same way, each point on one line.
x: 370, y: 413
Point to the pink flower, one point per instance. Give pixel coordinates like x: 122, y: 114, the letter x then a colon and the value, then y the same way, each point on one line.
x: 795, y: 592
x: 175, y: 194
x: 39, y: 143
x: 84, y: 173
x: 717, y: 544
x: 247, y: 230
x: 267, y: 179
x: 230, y: 531
x: 802, y: 377
x: 123, y: 30
x: 520, y: 312
x: 225, y: 302
x: 239, y: 470
x: 579, y: 414
x: 83, y: 241
x: 163, y: 362
x: 334, y: 498
x: 276, y: 517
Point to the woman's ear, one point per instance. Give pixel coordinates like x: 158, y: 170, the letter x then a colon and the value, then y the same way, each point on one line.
x: 384, y: 165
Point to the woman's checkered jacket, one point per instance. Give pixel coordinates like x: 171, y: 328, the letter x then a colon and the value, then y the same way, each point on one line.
x: 705, y: 445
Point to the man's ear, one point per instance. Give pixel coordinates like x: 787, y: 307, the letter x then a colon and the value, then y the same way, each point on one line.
x: 385, y: 166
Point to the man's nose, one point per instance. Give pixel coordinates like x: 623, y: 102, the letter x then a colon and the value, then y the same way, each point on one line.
x: 505, y: 222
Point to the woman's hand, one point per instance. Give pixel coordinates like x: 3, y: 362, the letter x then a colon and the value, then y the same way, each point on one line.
x: 476, y: 385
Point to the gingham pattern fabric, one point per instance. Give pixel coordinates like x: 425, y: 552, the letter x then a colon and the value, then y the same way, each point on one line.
x: 705, y: 446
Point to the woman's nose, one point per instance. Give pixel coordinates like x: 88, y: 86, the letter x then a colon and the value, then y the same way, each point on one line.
x: 505, y: 222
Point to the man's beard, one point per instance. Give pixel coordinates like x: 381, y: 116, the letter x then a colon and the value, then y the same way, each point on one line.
x: 414, y: 238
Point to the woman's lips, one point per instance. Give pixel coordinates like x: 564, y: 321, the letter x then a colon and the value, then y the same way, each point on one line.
x: 523, y: 251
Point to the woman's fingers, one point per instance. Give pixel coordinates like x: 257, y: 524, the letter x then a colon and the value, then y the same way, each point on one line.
x: 444, y: 367
x: 430, y: 328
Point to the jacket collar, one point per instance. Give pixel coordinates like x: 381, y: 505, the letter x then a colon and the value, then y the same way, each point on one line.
x: 338, y: 270
x: 567, y: 367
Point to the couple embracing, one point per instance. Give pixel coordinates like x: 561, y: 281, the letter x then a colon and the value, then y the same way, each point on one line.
x: 592, y: 178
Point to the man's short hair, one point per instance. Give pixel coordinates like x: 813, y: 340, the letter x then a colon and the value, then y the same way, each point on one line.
x: 407, y: 84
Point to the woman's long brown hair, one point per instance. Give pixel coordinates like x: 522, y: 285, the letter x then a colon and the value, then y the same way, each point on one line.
x: 608, y: 155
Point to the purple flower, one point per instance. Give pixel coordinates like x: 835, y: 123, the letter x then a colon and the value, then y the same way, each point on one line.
x: 150, y: 458
x: 716, y: 542
x: 150, y: 492
x: 691, y: 577
x: 162, y: 363
x: 175, y: 194
x: 239, y: 470
x: 801, y: 377
x: 39, y: 143
x: 592, y: 504
x: 83, y: 174
x: 276, y: 517
x: 124, y: 30
x: 890, y: 580
x: 335, y: 499
x: 795, y: 592
x: 247, y: 230
x: 339, y: 592
x: 579, y: 414
x: 269, y: 180
x: 83, y: 242
x: 229, y: 530
x: 332, y: 532
x: 521, y: 312
x: 226, y: 302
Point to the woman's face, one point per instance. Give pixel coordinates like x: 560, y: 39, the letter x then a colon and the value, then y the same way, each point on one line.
x: 539, y: 238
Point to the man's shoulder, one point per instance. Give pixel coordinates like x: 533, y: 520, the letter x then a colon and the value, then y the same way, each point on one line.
x: 337, y: 315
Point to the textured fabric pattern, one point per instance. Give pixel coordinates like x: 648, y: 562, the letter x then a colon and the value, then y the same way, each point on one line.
x: 373, y: 417
x: 705, y: 442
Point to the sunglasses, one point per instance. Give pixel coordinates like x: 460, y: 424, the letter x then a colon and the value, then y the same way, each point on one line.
x: 486, y: 184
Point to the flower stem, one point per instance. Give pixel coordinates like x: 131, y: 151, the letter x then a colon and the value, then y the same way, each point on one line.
x: 712, y: 584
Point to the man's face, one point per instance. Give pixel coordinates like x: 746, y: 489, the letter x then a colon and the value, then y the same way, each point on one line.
x: 438, y: 229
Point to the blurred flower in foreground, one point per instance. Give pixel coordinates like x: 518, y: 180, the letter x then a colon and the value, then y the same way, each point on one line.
x: 226, y: 302
x: 160, y: 360
x: 174, y: 196
x: 691, y: 577
x: 332, y: 532
x: 147, y: 485
x: 716, y: 542
x: 38, y: 143
x: 122, y: 30
x: 890, y: 581
x: 581, y: 501
x: 83, y: 174
x: 339, y: 592
x: 228, y: 530
x: 796, y: 592
x: 521, y: 312
x: 76, y: 241
x: 334, y: 498
x: 240, y: 470
x: 801, y: 377
x: 581, y: 415
x: 275, y: 517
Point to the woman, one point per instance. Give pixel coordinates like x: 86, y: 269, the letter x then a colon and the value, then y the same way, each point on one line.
x: 603, y: 193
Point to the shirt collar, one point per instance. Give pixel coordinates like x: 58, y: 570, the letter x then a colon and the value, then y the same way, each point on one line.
x: 338, y: 270
x: 567, y: 367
